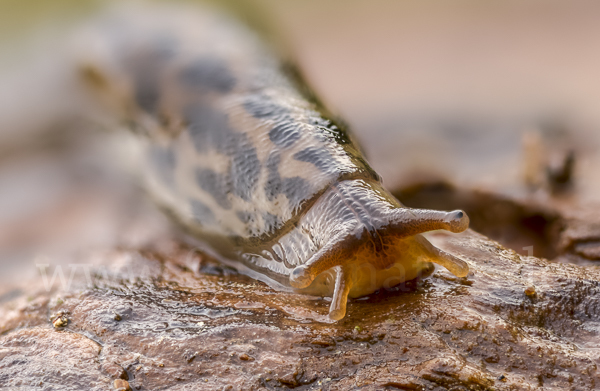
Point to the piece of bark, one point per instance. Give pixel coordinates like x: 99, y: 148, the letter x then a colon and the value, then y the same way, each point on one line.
x: 175, y: 326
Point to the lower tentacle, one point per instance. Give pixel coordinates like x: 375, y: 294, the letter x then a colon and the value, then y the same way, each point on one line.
x: 343, y: 284
x: 455, y: 265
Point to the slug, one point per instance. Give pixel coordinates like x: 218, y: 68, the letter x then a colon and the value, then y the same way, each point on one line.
x: 239, y: 153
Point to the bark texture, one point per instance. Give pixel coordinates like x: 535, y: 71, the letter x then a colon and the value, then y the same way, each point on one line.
x: 169, y: 318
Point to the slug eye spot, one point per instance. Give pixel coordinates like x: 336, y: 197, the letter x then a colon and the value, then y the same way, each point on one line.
x: 459, y: 221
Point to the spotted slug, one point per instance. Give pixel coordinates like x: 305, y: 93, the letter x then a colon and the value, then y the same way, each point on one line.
x: 241, y: 155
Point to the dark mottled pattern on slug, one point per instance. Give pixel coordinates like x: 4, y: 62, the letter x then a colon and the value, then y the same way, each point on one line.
x: 148, y: 63
x: 285, y: 133
x: 245, y: 217
x: 261, y: 106
x: 271, y: 221
x: 208, y: 74
x: 294, y: 188
x: 163, y: 161
x: 147, y: 90
x: 321, y: 158
x: 209, y: 129
x: 203, y: 212
x: 245, y: 169
x: 215, y: 184
x: 273, y: 185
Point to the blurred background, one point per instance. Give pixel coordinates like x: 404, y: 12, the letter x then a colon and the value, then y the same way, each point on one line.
x: 499, y: 97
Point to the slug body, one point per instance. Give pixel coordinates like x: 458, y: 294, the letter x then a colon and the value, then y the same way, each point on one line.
x: 239, y: 155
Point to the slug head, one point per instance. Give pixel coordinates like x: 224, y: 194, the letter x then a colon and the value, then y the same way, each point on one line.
x: 367, y: 259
